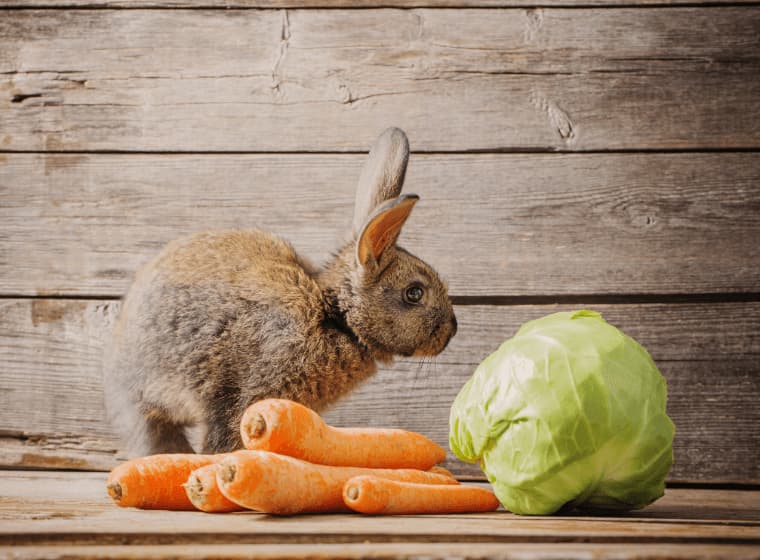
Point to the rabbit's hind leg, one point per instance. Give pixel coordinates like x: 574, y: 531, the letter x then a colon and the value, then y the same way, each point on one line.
x: 144, y: 429
x: 147, y: 432
x: 156, y: 434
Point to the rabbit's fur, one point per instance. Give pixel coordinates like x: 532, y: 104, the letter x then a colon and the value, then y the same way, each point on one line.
x: 222, y: 319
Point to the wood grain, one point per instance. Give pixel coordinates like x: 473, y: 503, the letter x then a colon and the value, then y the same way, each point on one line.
x: 491, y: 224
x: 295, y: 4
x: 330, y: 80
x: 69, y: 515
x: 385, y: 550
x: 82, y: 514
x: 51, y: 412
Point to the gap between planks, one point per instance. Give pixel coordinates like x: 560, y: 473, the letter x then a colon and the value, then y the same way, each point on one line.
x: 506, y: 150
x: 569, y: 551
x: 499, y: 300
x: 369, y: 4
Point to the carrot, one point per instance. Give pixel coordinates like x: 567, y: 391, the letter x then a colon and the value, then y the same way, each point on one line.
x: 289, y: 428
x: 375, y: 495
x: 203, y: 491
x: 283, y: 485
x: 440, y: 470
x: 155, y: 481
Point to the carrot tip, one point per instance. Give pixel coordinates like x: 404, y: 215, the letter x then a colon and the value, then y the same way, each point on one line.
x: 257, y: 427
x: 194, y: 485
x: 352, y: 493
x: 227, y: 473
x: 194, y: 492
x: 115, y: 491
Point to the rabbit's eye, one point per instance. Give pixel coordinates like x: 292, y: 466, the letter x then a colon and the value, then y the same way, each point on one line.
x: 413, y: 294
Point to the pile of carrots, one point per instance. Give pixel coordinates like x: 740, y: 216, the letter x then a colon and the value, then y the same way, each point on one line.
x: 295, y: 463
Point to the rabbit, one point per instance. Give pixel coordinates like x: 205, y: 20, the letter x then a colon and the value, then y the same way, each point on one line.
x: 222, y: 319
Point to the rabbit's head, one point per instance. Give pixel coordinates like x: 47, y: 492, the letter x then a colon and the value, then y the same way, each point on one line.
x: 394, y: 302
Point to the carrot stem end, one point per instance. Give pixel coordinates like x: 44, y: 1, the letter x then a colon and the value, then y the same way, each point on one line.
x: 227, y: 473
x: 257, y: 427
x: 115, y: 491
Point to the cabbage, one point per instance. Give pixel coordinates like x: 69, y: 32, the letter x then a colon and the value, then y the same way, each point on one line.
x: 568, y: 412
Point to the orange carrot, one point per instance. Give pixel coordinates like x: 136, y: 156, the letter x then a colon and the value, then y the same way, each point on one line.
x: 283, y: 485
x: 155, y: 481
x: 288, y: 428
x: 203, y: 491
x: 375, y: 495
x: 440, y: 470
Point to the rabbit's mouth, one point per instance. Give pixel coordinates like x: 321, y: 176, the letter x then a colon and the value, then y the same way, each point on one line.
x: 439, y: 339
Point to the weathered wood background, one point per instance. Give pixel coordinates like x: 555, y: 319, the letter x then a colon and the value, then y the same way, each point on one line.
x: 586, y: 154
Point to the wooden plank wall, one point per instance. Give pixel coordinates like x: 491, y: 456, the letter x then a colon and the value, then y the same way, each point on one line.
x: 581, y: 154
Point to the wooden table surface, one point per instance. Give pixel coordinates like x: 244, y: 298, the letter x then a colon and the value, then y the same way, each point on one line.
x: 49, y: 514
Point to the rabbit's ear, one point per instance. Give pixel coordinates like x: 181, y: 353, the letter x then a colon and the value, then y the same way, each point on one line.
x: 382, y: 176
x: 383, y: 228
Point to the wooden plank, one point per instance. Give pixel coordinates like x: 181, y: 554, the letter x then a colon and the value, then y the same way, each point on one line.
x: 501, y: 551
x: 28, y: 494
x: 329, y: 80
x: 492, y: 224
x: 51, y: 411
x: 80, y: 451
x: 295, y: 4
x: 72, y: 509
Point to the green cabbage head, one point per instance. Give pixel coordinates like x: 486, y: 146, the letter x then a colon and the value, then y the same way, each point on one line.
x: 570, y: 411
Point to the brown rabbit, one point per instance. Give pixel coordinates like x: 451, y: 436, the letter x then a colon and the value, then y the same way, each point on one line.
x: 222, y: 319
